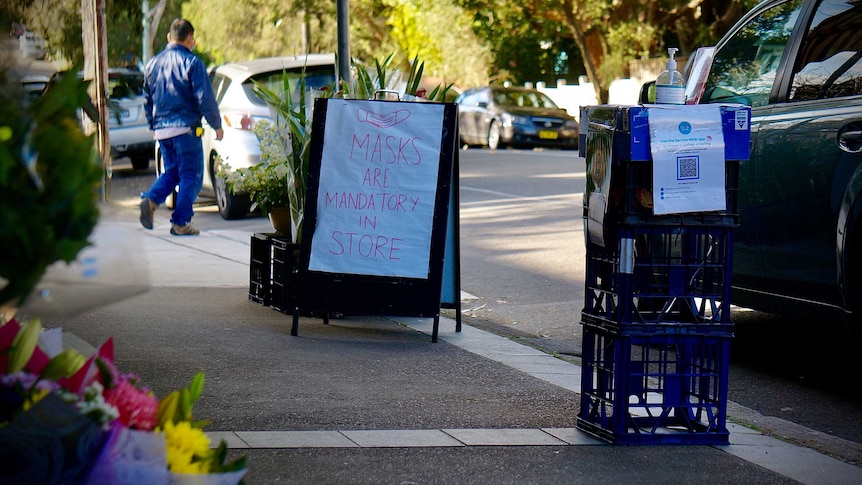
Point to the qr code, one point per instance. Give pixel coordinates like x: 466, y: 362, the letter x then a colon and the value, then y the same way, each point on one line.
x: 687, y: 168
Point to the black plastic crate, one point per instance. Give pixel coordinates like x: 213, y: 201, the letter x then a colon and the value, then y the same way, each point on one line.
x: 655, y: 388
x: 260, y: 269
x: 285, y: 267
x: 598, y: 323
x: 662, y: 273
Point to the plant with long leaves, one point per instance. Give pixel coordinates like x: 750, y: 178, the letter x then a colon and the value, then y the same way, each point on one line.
x: 293, y: 123
x: 367, y: 86
x: 292, y: 119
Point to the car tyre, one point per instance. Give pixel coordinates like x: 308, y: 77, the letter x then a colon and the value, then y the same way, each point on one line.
x: 853, y: 267
x: 140, y: 162
x: 230, y: 206
x: 494, y: 135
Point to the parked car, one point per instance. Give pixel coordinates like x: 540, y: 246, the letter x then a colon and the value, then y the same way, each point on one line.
x: 35, y: 76
x: 241, y: 108
x: 128, y: 129
x: 798, y: 249
x: 501, y: 116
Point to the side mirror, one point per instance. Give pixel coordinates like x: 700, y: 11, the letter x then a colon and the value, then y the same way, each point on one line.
x: 647, y: 95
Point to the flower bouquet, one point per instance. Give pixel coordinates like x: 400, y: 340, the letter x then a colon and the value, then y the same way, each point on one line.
x: 65, y: 418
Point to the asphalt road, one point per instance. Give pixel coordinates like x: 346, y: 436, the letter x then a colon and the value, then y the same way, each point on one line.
x: 522, y: 260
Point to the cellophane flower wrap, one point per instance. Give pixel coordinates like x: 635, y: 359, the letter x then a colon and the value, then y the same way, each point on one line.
x: 65, y: 418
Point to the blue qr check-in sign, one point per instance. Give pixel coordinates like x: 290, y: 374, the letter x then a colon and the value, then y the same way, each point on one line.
x: 688, y: 167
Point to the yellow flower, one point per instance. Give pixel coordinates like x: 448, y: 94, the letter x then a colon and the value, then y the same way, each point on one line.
x: 188, y: 448
x: 34, y: 398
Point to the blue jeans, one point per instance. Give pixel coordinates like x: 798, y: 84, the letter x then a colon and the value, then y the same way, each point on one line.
x: 183, y: 160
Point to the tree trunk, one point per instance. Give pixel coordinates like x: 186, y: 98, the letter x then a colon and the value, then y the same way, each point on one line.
x: 151, y: 19
x: 591, y: 45
x: 95, y: 41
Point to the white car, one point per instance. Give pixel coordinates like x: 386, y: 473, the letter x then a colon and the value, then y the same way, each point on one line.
x: 128, y: 129
x: 240, y: 109
x: 35, y: 76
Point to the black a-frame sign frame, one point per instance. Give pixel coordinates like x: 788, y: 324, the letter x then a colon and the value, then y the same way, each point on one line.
x: 378, y: 206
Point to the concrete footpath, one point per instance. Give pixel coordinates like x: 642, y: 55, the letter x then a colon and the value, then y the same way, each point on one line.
x: 369, y: 399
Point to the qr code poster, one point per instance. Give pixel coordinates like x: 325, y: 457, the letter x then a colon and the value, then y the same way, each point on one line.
x: 687, y: 147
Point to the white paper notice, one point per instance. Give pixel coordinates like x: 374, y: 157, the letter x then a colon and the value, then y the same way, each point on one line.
x: 687, y: 147
x: 378, y: 183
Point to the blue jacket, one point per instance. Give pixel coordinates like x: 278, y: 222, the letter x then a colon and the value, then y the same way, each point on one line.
x: 178, y: 90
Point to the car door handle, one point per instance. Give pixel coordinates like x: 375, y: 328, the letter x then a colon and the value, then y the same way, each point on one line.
x: 850, y: 141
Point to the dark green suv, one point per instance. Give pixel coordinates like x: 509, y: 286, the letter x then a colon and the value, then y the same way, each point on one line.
x: 798, y: 64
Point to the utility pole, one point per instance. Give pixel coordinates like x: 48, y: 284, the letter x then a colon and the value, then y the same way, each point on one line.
x: 146, y: 45
x: 95, y: 40
x: 342, y: 14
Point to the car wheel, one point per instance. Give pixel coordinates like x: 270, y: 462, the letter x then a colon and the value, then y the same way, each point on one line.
x: 853, y: 267
x: 230, y: 206
x: 494, y: 135
x: 140, y: 162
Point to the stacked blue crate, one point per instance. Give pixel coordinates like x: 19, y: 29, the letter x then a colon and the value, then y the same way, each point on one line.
x: 656, y: 319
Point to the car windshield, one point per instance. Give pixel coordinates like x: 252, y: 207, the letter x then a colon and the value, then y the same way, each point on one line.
x: 528, y: 99
x: 316, y: 77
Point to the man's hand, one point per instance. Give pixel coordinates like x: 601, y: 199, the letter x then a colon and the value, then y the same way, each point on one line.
x: 219, y: 134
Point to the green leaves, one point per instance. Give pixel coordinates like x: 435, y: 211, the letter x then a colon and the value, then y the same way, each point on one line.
x: 50, y: 176
x: 177, y: 406
x: 415, y: 76
x: 293, y: 124
x: 220, y: 464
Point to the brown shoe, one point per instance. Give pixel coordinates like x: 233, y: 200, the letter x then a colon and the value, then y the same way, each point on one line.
x: 148, y: 210
x: 187, y: 230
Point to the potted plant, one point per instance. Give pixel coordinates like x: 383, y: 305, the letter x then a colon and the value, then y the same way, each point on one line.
x: 267, y: 183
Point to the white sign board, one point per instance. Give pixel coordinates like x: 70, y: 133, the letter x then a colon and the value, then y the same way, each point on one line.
x: 378, y: 184
x: 687, y: 147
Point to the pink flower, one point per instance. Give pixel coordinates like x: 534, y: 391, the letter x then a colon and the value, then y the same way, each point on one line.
x: 138, y: 408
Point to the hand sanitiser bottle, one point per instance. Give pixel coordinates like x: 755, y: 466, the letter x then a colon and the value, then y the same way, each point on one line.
x: 670, y: 85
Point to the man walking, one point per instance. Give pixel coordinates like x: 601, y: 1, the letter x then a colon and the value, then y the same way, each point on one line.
x: 178, y: 93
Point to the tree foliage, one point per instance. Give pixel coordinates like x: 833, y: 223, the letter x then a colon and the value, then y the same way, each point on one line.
x: 605, y: 35
x: 528, y: 44
x: 465, y: 41
x: 439, y: 33
x: 609, y: 33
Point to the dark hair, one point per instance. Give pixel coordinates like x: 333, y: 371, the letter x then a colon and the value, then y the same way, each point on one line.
x: 181, y: 29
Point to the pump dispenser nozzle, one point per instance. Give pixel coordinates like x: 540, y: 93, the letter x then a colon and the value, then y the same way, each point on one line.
x: 671, y: 62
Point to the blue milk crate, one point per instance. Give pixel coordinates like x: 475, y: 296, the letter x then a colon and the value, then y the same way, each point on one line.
x: 664, y: 386
x: 662, y: 274
x: 637, y: 178
x: 615, y: 140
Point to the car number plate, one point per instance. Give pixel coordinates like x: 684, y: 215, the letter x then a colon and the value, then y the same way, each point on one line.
x: 548, y: 135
